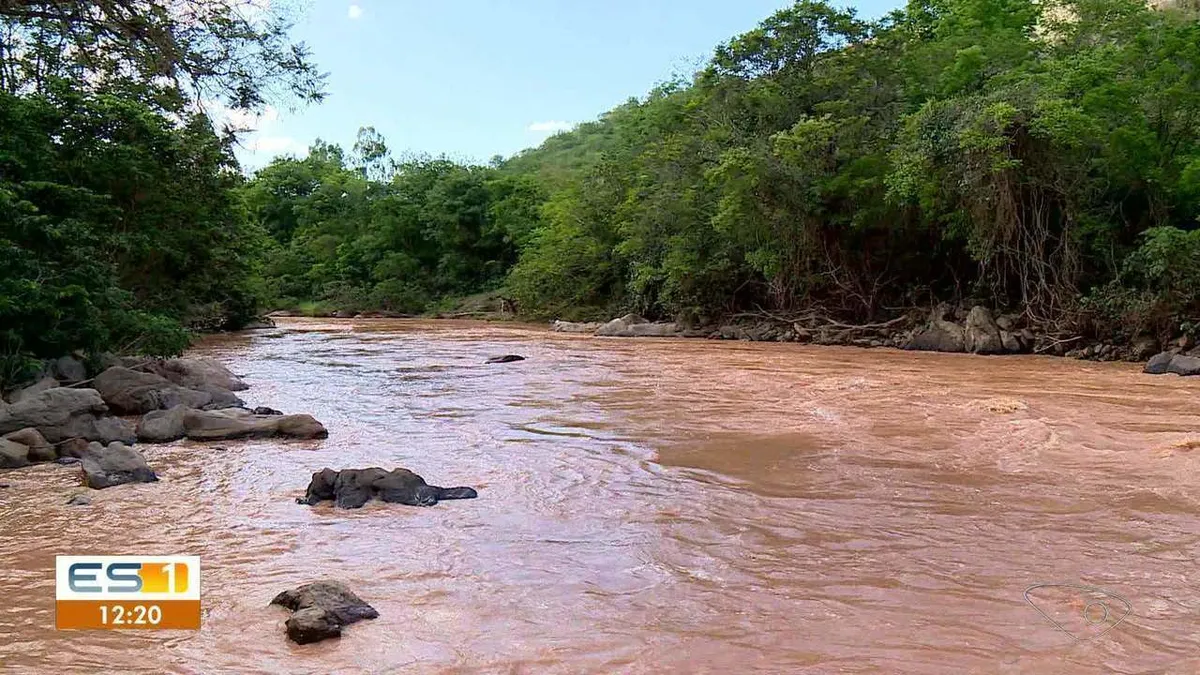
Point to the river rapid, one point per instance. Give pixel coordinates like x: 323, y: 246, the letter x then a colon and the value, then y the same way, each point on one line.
x: 654, y: 506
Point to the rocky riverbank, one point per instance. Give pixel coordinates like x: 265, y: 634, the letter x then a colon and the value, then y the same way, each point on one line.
x: 72, y: 416
x: 973, y: 329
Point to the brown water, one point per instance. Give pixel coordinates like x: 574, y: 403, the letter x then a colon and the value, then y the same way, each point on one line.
x: 663, y: 506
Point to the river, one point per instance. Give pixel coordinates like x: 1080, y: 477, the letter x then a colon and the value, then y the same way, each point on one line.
x: 654, y: 506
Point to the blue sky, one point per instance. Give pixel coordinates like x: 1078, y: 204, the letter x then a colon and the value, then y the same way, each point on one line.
x: 477, y: 78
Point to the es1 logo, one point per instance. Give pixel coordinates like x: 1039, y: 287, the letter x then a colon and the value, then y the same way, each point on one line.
x: 106, y: 592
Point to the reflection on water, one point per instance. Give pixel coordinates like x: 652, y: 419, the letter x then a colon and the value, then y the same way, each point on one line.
x: 651, y: 506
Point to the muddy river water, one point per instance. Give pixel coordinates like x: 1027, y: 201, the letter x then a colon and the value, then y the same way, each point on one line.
x: 655, y: 506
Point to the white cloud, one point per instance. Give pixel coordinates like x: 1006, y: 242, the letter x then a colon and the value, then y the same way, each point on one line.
x: 552, y: 126
x: 354, y: 12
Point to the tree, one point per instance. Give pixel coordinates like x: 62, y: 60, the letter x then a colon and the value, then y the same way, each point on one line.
x: 174, y: 51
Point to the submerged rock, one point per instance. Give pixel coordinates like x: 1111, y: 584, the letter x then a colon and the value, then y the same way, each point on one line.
x: 507, y: 358
x: 351, y: 488
x: 264, y: 410
x: 80, y: 499
x: 321, y: 609
x: 116, y: 464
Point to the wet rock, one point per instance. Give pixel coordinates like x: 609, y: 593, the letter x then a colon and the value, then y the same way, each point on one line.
x: 67, y: 461
x: 1159, y: 363
x: 13, y: 455
x: 982, y: 335
x: 351, y: 488
x: 1143, y: 347
x: 343, y: 314
x: 116, y: 464
x: 507, y: 358
x: 1184, y: 365
x: 70, y: 369
x: 574, y: 327
x: 938, y: 335
x: 40, y: 449
x: 199, y: 374
x: 632, y: 325
x: 80, y: 499
x: 321, y: 609
x: 264, y: 410
x: 39, y: 386
x: 129, y: 392
x: 214, y: 425
x: 162, y: 426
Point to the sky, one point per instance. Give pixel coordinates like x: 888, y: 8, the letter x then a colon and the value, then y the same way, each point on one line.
x: 471, y: 79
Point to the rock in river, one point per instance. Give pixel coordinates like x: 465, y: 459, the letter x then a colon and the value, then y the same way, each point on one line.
x: 320, y: 609
x: 215, y: 425
x: 507, y: 358
x: 163, y: 426
x: 62, y: 413
x: 632, y: 325
x: 1167, y: 362
x: 116, y: 464
x: 351, y: 488
x: 129, y: 392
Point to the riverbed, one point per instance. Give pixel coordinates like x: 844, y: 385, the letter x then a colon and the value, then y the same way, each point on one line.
x: 654, y: 506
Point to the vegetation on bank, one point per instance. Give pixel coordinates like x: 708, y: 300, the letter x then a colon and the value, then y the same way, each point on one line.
x: 1042, y: 157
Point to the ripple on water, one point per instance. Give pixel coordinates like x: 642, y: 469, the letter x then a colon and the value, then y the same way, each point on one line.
x: 648, y: 506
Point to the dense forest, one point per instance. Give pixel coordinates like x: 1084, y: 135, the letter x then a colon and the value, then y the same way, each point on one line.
x: 1038, y: 157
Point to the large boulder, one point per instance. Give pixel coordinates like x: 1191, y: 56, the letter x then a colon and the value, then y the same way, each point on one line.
x: 1168, y: 362
x: 56, y: 412
x: 982, y: 335
x: 938, y: 335
x: 162, y: 426
x: 321, y: 609
x: 129, y: 392
x: 40, y: 450
x: 13, y: 455
x: 116, y: 464
x: 573, y: 327
x: 199, y: 374
x: 214, y: 425
x: 632, y: 325
x: 351, y: 488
